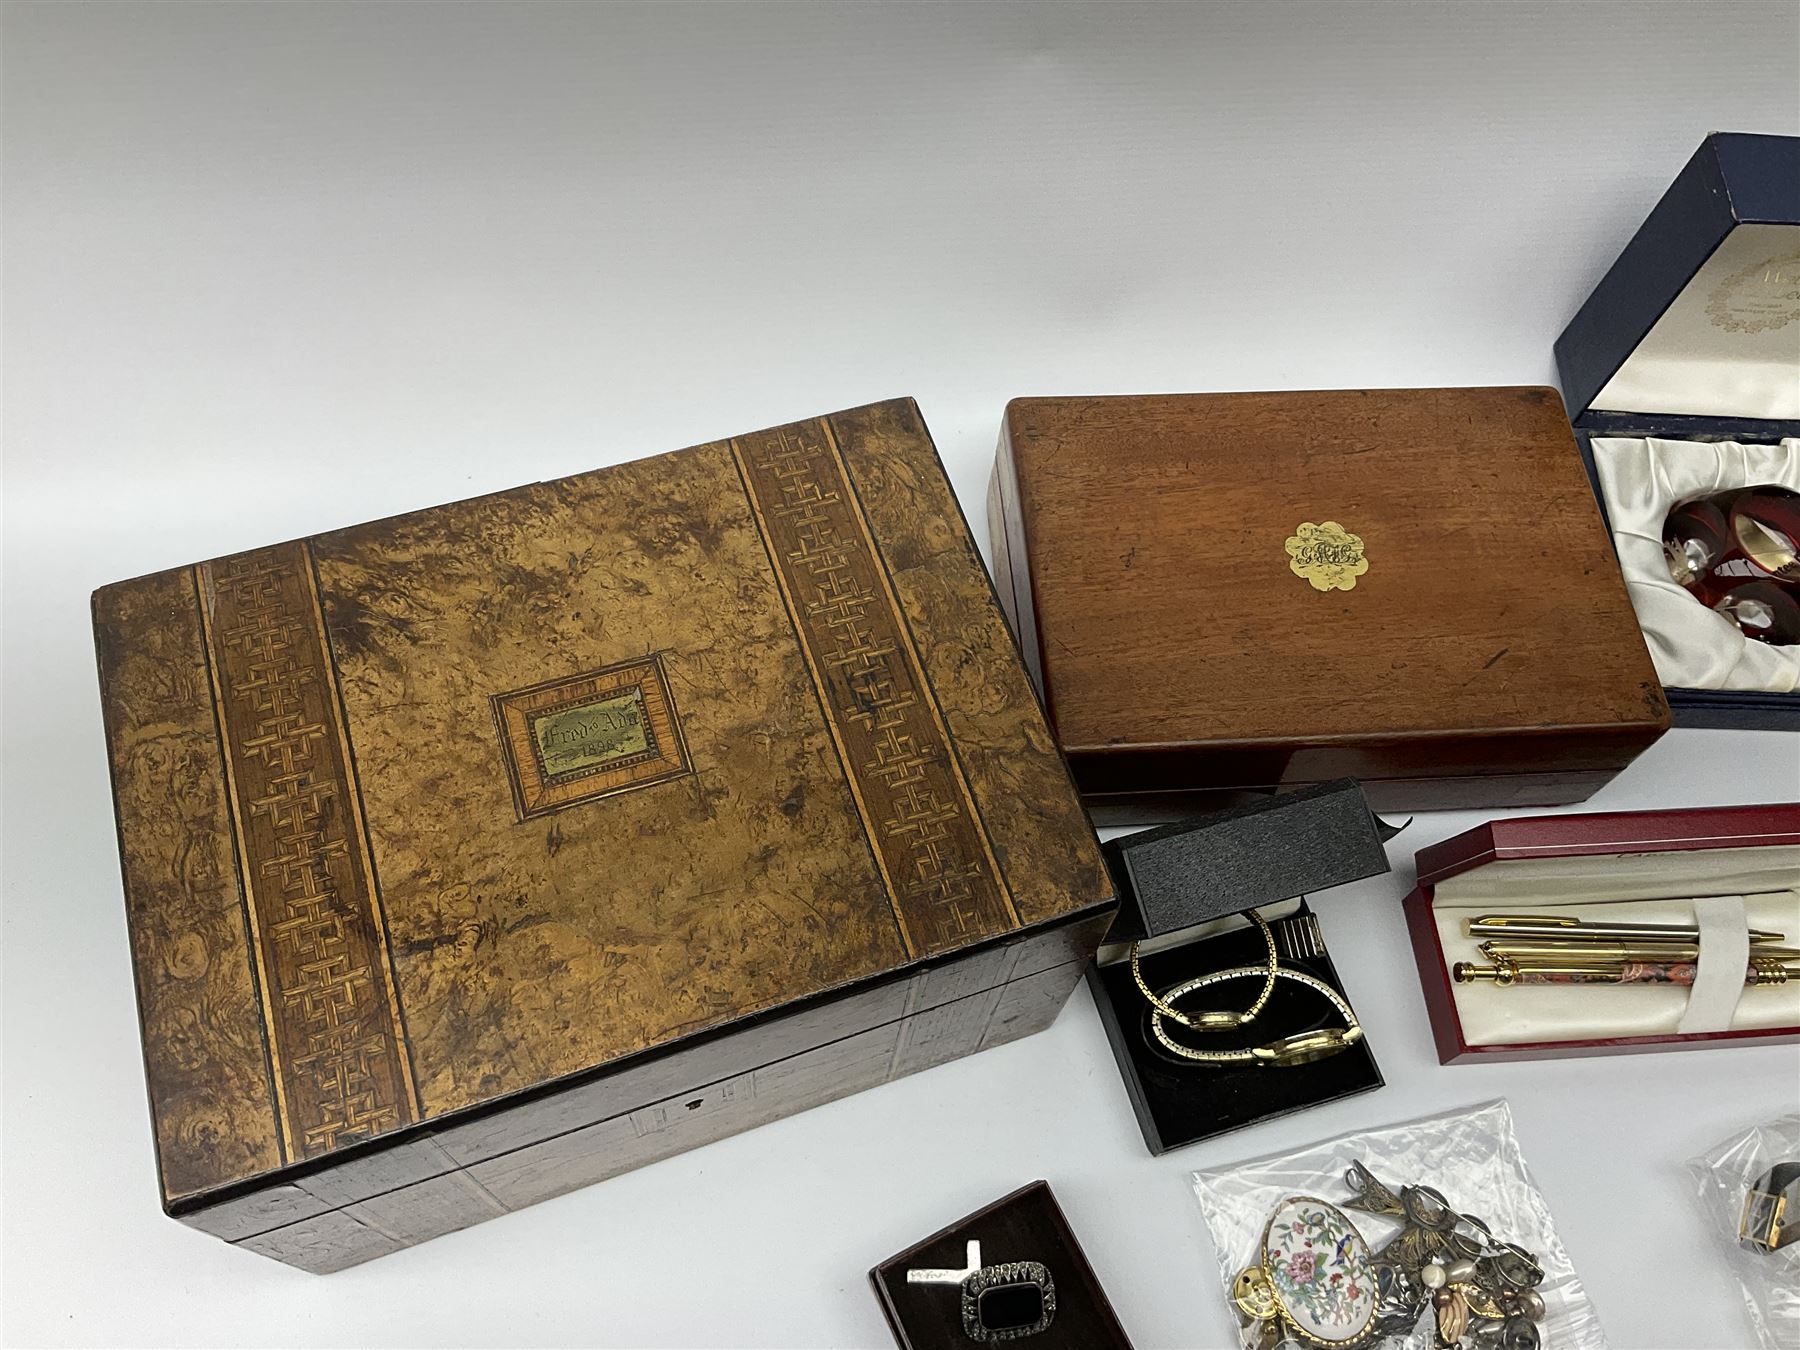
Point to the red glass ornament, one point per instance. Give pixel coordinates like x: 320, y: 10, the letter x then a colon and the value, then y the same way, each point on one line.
x: 1695, y: 536
x: 1765, y: 522
x: 1764, y: 610
x: 1739, y: 552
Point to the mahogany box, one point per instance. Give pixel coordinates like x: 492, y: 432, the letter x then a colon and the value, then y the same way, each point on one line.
x: 474, y: 855
x: 1230, y: 593
x: 1682, y: 374
x: 1720, y: 871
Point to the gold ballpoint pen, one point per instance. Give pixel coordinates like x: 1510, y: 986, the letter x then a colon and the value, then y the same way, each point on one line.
x: 1509, y: 972
x: 1586, y: 930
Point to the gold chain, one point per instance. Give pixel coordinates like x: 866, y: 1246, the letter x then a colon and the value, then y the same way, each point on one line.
x: 1213, y: 1021
x: 1298, y: 1049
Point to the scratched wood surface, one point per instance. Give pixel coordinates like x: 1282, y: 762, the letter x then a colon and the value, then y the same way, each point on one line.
x: 412, y: 1212
x: 419, y: 816
x: 1487, y: 656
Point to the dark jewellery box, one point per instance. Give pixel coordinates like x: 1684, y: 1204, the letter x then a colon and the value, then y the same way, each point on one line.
x: 1227, y: 594
x: 1720, y: 870
x: 1682, y: 374
x: 478, y: 854
x: 1026, y: 1226
x: 1183, y: 890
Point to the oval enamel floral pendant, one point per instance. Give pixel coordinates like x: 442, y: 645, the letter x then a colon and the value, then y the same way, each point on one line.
x: 1319, y: 1272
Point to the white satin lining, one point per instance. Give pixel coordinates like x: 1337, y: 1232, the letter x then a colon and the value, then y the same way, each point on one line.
x: 1729, y: 345
x: 1724, y: 955
x: 1622, y: 888
x: 1693, y: 647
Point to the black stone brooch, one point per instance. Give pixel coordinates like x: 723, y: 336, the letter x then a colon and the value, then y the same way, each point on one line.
x: 1005, y: 1302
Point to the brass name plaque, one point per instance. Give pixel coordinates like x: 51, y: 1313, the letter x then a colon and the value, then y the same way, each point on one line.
x: 591, y: 735
x: 572, y: 740
x: 1327, y: 555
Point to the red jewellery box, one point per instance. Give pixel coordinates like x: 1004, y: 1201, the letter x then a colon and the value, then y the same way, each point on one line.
x: 1553, y: 892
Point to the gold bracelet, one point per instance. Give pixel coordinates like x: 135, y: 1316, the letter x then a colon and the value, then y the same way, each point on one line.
x: 1213, y: 1021
x: 1298, y: 1049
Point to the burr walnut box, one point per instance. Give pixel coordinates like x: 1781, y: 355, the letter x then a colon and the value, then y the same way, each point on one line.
x: 474, y: 855
x: 1230, y: 593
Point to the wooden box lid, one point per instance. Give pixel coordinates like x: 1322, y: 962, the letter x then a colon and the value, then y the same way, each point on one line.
x: 1475, y: 627
x: 430, y: 812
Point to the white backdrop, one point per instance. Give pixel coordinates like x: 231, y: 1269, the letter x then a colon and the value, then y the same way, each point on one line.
x: 274, y: 269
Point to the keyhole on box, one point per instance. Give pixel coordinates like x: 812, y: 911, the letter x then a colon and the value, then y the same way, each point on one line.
x: 695, y: 1104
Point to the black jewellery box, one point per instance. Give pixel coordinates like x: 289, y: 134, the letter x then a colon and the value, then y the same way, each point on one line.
x: 1184, y: 890
x: 1682, y: 377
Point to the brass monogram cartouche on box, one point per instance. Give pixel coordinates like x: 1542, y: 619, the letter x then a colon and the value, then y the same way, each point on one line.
x: 480, y: 853
x: 1327, y: 555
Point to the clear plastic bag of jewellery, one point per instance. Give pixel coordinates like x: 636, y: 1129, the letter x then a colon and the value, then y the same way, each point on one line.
x: 1441, y: 1229
x: 1728, y: 1179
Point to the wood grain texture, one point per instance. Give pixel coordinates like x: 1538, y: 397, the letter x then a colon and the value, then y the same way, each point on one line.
x: 1489, y: 638
x: 831, y: 804
x: 1022, y: 788
x: 340, y: 1069
x: 506, y: 1128
x: 408, y: 1213
x: 212, y: 1098
x: 929, y: 841
x: 529, y: 951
